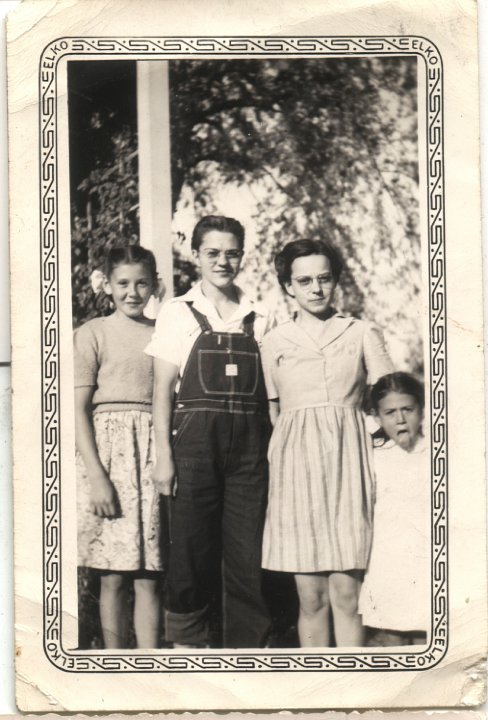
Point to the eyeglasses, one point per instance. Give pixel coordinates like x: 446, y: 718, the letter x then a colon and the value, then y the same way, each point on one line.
x: 304, y: 281
x: 230, y: 255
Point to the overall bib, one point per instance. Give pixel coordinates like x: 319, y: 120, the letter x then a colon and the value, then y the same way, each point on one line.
x: 220, y: 436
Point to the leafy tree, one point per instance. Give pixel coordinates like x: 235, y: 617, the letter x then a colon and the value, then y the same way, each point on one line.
x: 111, y: 217
x: 327, y: 146
x: 330, y: 148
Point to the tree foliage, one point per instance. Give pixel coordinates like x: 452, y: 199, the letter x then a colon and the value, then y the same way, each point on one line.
x: 110, y: 216
x: 326, y: 147
x: 330, y: 148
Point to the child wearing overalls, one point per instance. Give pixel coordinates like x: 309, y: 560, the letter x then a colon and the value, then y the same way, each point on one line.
x: 211, y: 444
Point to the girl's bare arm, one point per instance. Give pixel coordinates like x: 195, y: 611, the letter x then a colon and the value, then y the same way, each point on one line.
x: 274, y: 410
x: 103, y: 496
x: 165, y: 376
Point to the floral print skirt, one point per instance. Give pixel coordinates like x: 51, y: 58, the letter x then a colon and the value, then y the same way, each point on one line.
x: 137, y: 539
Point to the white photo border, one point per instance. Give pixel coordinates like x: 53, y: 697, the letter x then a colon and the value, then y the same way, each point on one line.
x: 266, y: 660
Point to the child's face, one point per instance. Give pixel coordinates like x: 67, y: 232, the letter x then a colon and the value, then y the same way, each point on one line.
x: 400, y: 416
x: 312, y: 284
x: 130, y: 287
x: 219, y: 258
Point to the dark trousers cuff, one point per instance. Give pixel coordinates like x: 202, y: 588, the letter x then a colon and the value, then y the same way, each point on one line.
x: 187, y: 628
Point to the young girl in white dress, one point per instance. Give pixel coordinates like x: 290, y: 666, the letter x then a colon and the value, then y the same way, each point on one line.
x: 320, y: 507
x: 394, y: 597
x: 119, y: 527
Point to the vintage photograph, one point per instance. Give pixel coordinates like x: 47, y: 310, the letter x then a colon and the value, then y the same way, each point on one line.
x: 247, y: 356
x: 253, y: 463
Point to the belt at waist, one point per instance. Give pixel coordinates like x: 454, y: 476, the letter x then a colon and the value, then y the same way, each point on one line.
x: 122, y: 406
x: 310, y: 406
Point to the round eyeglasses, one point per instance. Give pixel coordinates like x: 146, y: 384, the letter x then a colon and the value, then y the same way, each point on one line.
x: 305, y: 281
x: 212, y: 254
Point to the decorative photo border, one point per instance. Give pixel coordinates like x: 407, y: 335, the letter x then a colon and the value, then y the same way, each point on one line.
x: 240, y: 660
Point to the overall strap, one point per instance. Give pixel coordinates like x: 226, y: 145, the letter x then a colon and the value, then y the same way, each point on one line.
x: 248, y: 324
x: 200, y: 318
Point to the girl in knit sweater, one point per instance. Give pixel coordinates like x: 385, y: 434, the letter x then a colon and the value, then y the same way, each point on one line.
x: 119, y: 526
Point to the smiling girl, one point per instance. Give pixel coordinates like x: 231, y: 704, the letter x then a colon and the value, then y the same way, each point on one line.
x: 319, y: 517
x: 119, y: 530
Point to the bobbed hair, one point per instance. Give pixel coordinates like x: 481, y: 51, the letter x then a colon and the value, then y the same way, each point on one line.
x: 400, y: 382
x: 131, y: 255
x: 220, y: 223
x: 302, y: 248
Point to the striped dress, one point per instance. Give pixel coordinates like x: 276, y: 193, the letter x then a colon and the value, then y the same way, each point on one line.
x: 320, y: 506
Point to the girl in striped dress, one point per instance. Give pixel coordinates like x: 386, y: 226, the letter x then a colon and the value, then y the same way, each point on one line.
x: 319, y: 516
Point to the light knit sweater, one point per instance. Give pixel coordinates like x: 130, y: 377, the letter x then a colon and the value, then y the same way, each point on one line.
x: 108, y: 354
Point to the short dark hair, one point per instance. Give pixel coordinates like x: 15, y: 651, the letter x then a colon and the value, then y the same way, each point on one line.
x: 220, y: 223
x: 302, y: 248
x: 400, y: 382
x: 131, y: 255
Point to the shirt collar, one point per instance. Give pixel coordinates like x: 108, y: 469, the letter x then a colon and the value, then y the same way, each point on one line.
x: 420, y: 446
x: 203, y: 304
x: 333, y: 328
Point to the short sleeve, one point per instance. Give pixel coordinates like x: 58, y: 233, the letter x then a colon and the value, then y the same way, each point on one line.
x: 271, y: 322
x: 85, y: 356
x: 376, y: 356
x: 167, y: 341
x: 269, y: 368
x: 264, y: 322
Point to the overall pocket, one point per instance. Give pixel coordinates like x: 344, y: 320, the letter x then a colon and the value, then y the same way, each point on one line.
x: 223, y: 372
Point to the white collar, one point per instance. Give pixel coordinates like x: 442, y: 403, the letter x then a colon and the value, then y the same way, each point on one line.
x: 335, y: 326
x: 207, y: 308
x: 420, y: 446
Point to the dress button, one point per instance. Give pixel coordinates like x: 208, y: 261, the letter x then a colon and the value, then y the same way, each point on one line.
x: 173, y: 432
x: 207, y: 332
x: 180, y: 405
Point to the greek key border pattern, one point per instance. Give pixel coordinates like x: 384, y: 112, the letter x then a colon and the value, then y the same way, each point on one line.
x: 175, y: 47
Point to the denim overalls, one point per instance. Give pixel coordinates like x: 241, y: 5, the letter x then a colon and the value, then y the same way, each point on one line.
x: 220, y: 436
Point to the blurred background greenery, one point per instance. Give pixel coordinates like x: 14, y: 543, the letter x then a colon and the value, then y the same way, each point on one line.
x: 292, y: 148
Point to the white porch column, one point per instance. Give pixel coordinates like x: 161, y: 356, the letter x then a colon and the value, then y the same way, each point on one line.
x: 155, y: 167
